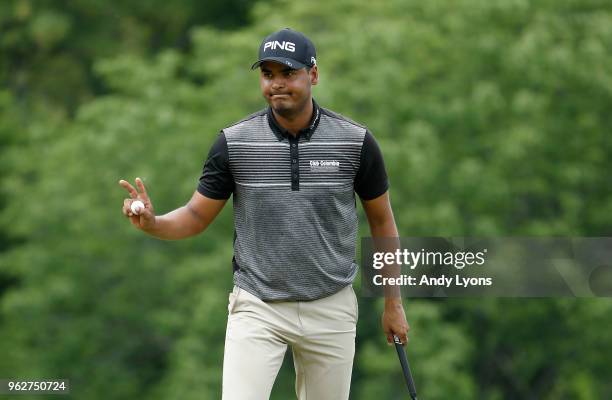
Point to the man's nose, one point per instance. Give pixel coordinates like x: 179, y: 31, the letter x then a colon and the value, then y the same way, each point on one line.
x: 278, y: 82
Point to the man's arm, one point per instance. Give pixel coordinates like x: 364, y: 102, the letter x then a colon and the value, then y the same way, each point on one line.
x: 382, y: 225
x: 181, y: 223
x: 189, y: 220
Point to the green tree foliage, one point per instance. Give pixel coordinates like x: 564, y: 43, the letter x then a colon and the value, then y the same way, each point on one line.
x: 492, y: 116
x: 48, y: 46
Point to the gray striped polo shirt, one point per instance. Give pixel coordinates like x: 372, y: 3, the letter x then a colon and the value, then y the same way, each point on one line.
x: 294, y: 201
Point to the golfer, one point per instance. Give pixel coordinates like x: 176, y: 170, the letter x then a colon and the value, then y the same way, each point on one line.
x: 294, y: 170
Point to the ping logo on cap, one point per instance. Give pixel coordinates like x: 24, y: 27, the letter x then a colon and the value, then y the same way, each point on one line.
x: 273, y: 45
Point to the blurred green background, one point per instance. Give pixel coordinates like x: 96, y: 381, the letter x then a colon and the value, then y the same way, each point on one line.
x: 493, y: 117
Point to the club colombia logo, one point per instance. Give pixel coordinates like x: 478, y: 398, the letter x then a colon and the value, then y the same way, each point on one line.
x: 324, y: 165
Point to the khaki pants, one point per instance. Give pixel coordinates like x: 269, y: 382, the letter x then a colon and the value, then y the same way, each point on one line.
x: 321, y: 334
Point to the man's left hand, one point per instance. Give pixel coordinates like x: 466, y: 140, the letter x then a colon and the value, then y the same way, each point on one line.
x: 394, y: 321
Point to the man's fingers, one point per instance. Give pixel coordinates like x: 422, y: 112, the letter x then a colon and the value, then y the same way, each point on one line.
x: 143, y: 191
x: 126, y: 185
x: 127, y: 207
x: 403, y: 333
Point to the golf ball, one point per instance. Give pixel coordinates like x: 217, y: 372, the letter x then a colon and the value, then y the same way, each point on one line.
x: 137, y: 206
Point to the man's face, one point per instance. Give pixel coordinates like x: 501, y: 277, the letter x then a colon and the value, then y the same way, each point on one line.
x: 287, y: 90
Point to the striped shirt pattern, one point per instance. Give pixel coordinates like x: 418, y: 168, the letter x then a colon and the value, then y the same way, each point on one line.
x: 294, y: 206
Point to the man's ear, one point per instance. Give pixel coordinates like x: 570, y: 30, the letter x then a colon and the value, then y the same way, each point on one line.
x: 314, y: 75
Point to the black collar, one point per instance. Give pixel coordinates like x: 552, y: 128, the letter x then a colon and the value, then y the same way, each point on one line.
x: 282, y: 133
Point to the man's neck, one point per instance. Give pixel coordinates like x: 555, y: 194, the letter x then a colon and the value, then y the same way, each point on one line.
x: 298, y: 122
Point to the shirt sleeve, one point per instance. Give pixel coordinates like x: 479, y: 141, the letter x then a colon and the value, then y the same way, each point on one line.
x: 217, y: 181
x: 371, y: 180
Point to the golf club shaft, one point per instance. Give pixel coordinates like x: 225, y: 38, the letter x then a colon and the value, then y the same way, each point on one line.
x: 401, y: 353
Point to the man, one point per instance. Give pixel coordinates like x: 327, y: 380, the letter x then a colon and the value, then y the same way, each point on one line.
x: 293, y: 170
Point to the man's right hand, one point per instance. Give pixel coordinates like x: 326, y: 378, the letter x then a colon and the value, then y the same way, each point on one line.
x: 146, y: 219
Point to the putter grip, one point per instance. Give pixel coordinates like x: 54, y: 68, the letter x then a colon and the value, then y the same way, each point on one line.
x: 401, y: 353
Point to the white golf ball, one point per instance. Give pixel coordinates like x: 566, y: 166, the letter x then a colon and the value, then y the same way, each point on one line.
x: 137, y: 206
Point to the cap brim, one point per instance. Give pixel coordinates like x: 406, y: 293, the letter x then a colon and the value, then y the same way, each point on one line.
x: 281, y: 60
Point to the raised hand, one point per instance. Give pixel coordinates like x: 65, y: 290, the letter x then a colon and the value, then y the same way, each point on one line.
x: 145, y: 219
